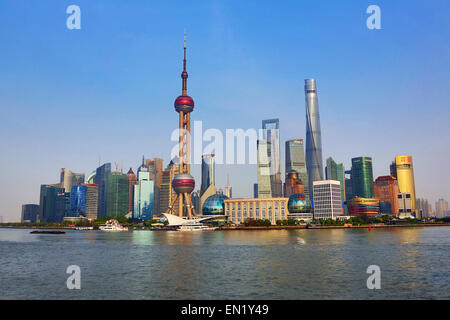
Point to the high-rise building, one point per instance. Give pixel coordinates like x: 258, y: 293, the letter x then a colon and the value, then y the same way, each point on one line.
x: 207, y: 172
x: 196, y: 201
x: 117, y: 195
x: 295, y: 160
x: 208, y: 186
x: 335, y: 171
x: 386, y: 190
x: 144, y: 197
x: 314, y: 162
x: 69, y: 179
x: 30, y: 213
x: 264, y: 183
x: 167, y: 193
x: 155, y: 167
x: 404, y: 205
x: 327, y: 199
x: 101, y: 179
x: 131, y: 177
x: 441, y: 208
x: 348, y: 189
x: 47, y: 202
x: 293, y: 184
x: 362, y: 177
x: 84, y: 201
x: 62, y: 206
x: 271, y: 136
x: 422, y: 208
x: 405, y: 177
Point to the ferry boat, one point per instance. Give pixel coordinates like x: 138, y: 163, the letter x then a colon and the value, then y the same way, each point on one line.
x: 182, y: 224
x: 113, y: 225
x: 196, y: 227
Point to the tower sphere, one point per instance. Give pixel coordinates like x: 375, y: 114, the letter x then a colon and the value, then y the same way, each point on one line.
x: 184, y: 103
x: 183, y: 183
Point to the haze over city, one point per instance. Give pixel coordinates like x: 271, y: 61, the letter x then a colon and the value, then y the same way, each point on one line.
x: 74, y: 98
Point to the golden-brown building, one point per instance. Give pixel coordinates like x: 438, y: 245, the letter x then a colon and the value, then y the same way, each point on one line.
x: 405, y: 177
x: 240, y: 209
x: 386, y: 189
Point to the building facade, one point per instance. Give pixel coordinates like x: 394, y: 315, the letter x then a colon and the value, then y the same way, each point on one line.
x: 295, y: 160
x: 264, y: 186
x: 327, y: 199
x: 362, y: 177
x: 30, y: 213
x: 131, y: 177
x: 101, y: 180
x: 363, y: 206
x: 314, y: 163
x: 68, y: 179
x: 441, y: 208
x: 405, y: 177
x: 84, y: 201
x: 167, y: 193
x: 405, y: 205
x: 117, y: 195
x: 386, y: 190
x: 47, y: 202
x: 144, y: 197
x: 271, y: 134
x: 239, y: 209
x: 336, y: 171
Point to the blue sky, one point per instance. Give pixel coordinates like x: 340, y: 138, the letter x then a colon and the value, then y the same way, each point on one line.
x: 71, y: 97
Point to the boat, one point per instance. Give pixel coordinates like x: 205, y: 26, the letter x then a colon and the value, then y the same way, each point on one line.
x: 183, y: 224
x: 113, y: 225
x: 84, y: 228
x: 47, y: 232
x: 196, y: 227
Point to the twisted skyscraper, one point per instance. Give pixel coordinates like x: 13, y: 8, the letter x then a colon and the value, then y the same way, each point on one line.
x: 313, y: 136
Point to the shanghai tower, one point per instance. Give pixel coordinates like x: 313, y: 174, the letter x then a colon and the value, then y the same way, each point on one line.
x: 313, y: 136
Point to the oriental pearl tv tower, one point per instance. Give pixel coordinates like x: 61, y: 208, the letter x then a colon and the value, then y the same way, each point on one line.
x: 183, y: 183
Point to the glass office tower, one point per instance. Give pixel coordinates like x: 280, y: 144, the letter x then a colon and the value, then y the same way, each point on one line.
x: 314, y: 163
x: 78, y: 201
x: 336, y: 171
x: 295, y: 160
x: 101, y: 179
x: 271, y: 134
x: 207, y: 172
x: 117, y: 194
x: 47, y: 202
x: 144, y: 197
x: 362, y: 177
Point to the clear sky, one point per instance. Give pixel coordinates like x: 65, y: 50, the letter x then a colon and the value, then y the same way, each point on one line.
x: 69, y: 98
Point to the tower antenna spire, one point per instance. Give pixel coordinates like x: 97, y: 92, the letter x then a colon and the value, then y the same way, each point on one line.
x: 184, y: 75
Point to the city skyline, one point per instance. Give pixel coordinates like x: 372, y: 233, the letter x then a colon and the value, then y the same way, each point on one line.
x: 30, y: 117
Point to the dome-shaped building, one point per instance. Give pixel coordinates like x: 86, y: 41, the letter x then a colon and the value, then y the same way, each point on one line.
x: 214, y: 205
x: 299, y: 203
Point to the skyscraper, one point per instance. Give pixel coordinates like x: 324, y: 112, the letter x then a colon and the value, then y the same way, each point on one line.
x: 62, y: 206
x: 144, y: 197
x: 84, y: 201
x: 155, y: 167
x: 314, y: 162
x: 207, y: 172
x: 47, y: 202
x: 336, y: 171
x: 405, y: 177
x: 441, y: 208
x: 117, y: 195
x: 208, y: 186
x: 167, y: 193
x: 271, y: 134
x: 69, y: 179
x: 101, y: 179
x: 264, y: 186
x: 228, y: 188
x: 131, y: 177
x: 295, y: 160
x: 362, y: 177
